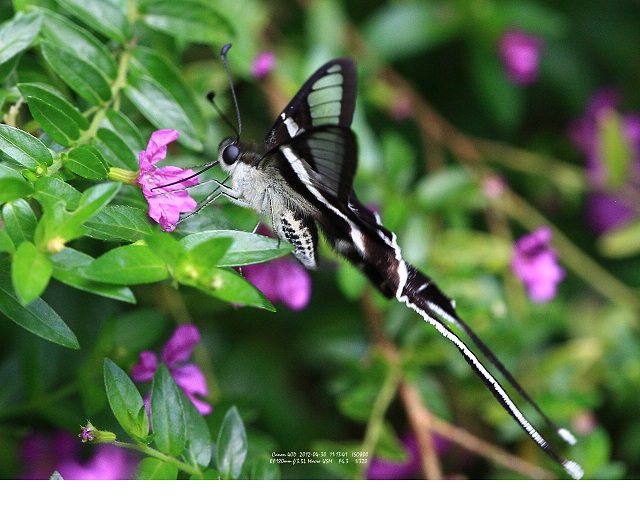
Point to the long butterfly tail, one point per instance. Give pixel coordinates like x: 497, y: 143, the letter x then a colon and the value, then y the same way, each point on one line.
x: 423, y: 296
x: 375, y: 251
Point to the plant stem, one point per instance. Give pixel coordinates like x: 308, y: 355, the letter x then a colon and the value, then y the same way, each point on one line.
x: 376, y: 420
x: 159, y: 455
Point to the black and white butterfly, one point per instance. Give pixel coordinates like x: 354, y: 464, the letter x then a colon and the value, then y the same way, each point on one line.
x: 301, y: 178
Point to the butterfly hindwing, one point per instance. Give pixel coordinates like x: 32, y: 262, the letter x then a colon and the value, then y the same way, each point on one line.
x: 328, y: 97
x: 301, y: 232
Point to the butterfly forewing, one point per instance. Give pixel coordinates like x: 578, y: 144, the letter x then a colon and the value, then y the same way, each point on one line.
x: 327, y: 98
x: 329, y: 159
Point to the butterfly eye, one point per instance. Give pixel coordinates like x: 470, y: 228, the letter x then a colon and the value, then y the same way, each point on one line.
x: 230, y: 154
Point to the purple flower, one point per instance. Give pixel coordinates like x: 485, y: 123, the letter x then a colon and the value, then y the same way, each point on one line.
x: 520, y: 54
x: 165, y: 203
x: 61, y: 451
x: 410, y: 468
x: 607, y: 208
x: 263, y: 64
x: 536, y: 265
x: 174, y: 354
x: 281, y: 280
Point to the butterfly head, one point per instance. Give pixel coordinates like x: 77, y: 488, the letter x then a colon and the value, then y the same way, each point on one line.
x: 228, y: 152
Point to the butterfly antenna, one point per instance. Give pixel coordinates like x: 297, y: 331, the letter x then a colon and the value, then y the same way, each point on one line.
x: 205, y: 167
x: 223, y: 54
x: 210, y: 98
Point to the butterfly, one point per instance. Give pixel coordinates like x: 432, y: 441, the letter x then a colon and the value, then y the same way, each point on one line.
x: 300, y: 179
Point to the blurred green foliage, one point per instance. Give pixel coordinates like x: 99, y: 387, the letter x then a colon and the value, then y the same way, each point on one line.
x: 85, y: 83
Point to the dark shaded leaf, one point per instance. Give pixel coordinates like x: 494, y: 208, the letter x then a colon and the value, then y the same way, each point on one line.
x: 37, y: 317
x: 161, y: 109
x: 78, y: 73
x: 61, y: 32
x: 67, y: 268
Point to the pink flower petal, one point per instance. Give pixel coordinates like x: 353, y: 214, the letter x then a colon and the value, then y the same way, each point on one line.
x: 535, y: 263
x: 164, y: 188
x: 203, y: 407
x: 180, y: 346
x: 293, y: 285
x: 143, y: 371
x: 157, y: 146
x: 520, y: 53
x: 191, y: 379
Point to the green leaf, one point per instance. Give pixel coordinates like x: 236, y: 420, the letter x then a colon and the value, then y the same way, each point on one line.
x: 68, y: 265
x: 406, y: 28
x: 23, y: 148
x: 47, y: 94
x: 123, y: 127
x: 471, y: 249
x: 57, y: 117
x: 208, y: 253
x: 246, y: 248
x: 104, y: 17
x: 231, y: 447
x: 161, y: 109
x: 86, y: 161
x: 167, y: 413
x: 198, y: 438
x: 616, y: 152
x: 50, y: 191
x: 13, y: 185
x: 37, y: 317
x: 147, y: 61
x: 119, y: 140
x: 621, y: 242
x: 19, y: 221
x: 78, y: 73
x: 116, y: 150
x: 151, y: 468
x: 452, y: 186
x: 127, y: 265
x: 30, y: 272
x: 389, y: 447
x: 167, y: 248
x: 17, y: 34
x: 57, y: 222
x: 228, y: 285
x: 61, y: 32
x: 125, y: 401
x: 188, y: 20
x: 116, y: 223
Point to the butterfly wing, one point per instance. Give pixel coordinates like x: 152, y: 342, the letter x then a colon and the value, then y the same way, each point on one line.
x: 328, y: 97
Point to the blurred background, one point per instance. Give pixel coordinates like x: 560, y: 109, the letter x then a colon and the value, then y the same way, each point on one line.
x: 478, y: 122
